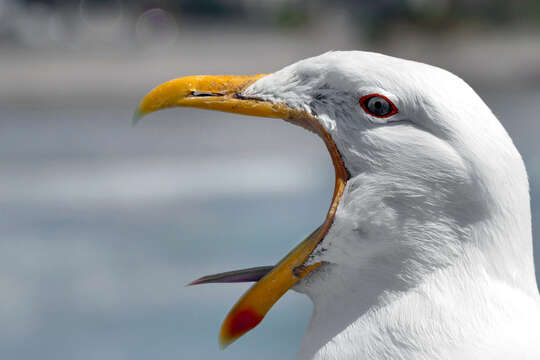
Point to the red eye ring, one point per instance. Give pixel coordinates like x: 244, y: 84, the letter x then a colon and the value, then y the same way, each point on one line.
x: 364, y: 100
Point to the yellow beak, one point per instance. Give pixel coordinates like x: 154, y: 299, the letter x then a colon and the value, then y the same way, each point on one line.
x: 224, y: 93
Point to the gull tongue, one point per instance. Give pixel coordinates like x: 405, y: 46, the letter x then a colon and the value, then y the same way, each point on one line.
x: 245, y: 275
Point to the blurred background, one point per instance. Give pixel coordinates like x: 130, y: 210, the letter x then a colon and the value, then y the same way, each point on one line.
x: 103, y: 224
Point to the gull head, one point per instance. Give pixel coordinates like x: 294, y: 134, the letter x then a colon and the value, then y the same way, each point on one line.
x: 426, y: 178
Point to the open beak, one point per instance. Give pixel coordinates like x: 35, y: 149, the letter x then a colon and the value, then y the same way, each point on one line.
x: 224, y: 93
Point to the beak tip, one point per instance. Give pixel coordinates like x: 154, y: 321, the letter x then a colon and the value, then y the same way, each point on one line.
x: 224, y: 343
x: 136, y: 117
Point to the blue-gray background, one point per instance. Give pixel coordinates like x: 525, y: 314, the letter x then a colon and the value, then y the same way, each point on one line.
x: 102, y: 224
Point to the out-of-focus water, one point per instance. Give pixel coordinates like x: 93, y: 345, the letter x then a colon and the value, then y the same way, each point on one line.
x: 104, y: 224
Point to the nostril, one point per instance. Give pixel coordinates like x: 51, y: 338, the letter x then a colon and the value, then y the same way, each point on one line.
x: 204, y: 94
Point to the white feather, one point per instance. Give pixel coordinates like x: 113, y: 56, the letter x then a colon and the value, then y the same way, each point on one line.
x: 430, y: 253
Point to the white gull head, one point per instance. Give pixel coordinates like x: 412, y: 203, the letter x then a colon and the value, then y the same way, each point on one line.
x: 430, y: 252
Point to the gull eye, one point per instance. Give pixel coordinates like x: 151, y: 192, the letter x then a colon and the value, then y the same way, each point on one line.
x: 378, y: 105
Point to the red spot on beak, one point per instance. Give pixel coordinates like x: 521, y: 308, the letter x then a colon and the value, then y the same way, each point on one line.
x: 243, y: 321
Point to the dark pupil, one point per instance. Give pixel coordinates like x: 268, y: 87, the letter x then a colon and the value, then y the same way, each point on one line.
x: 378, y: 106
